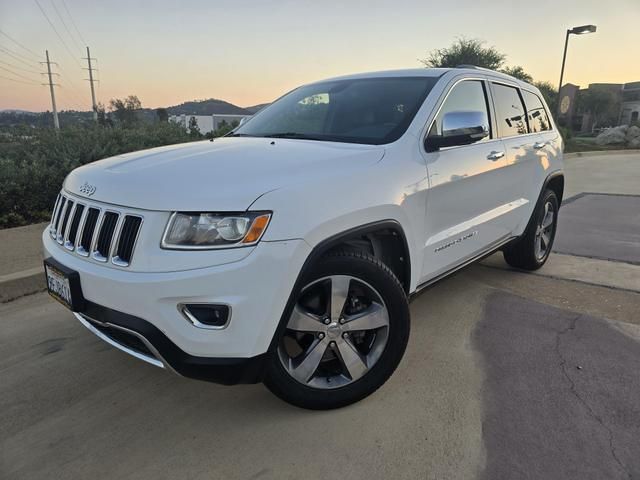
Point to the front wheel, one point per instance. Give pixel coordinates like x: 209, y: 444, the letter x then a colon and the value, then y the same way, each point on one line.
x: 531, y: 251
x: 345, y: 335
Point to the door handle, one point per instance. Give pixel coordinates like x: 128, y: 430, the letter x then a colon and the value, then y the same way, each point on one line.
x: 495, y: 156
x: 539, y: 145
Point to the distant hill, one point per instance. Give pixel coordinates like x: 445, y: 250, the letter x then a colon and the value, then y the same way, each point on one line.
x: 20, y: 112
x: 210, y: 106
x: 256, y: 108
x: 207, y: 107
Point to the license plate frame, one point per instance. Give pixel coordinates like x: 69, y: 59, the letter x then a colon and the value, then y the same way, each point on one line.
x: 63, y: 285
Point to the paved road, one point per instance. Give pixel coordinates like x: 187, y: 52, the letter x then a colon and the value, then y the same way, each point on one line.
x: 485, y: 390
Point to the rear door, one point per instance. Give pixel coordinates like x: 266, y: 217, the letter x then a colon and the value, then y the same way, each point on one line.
x: 524, y: 126
x: 466, y: 198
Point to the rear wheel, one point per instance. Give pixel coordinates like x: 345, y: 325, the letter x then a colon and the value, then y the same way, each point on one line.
x: 531, y: 251
x: 345, y: 335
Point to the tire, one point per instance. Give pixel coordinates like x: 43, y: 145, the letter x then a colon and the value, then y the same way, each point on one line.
x: 352, y: 361
x: 531, y: 251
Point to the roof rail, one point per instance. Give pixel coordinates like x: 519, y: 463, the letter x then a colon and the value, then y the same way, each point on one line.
x: 474, y: 67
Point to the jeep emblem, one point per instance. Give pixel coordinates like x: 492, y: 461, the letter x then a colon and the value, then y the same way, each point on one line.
x: 87, y: 189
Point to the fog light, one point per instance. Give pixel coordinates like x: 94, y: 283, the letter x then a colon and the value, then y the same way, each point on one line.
x: 206, y: 315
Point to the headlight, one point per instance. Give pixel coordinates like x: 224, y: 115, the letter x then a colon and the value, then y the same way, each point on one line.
x: 192, y: 231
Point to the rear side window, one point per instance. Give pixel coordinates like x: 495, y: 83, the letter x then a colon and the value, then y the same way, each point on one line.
x: 510, y: 112
x: 538, y: 118
x: 468, y: 95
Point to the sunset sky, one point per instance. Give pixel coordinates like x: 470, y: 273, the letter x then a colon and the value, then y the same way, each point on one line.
x: 251, y: 51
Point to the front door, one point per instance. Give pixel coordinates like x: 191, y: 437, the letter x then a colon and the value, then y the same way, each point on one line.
x: 466, y: 202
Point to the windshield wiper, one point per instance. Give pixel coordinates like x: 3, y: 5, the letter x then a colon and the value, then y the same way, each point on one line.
x: 238, y: 135
x: 301, y: 136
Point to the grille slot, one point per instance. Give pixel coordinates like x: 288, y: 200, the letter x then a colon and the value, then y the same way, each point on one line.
x: 65, y: 220
x: 73, y: 228
x: 94, y: 232
x: 105, y: 236
x: 87, y: 231
x: 128, y: 236
x: 53, y: 215
x: 59, y: 214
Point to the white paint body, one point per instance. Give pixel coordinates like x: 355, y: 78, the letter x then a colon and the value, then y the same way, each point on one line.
x: 452, y: 205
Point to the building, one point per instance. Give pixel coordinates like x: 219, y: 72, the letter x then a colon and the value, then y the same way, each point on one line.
x: 630, y: 109
x: 623, y: 107
x: 207, y: 123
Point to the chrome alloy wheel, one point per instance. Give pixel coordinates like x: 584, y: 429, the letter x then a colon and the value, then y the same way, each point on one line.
x: 337, y: 331
x: 544, y: 231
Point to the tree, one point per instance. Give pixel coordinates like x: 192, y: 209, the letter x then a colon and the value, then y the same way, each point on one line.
x: 125, y: 109
x: 550, y: 95
x: 163, y: 115
x: 103, y: 119
x: 518, y: 72
x: 602, y: 104
x: 465, y: 51
x: 194, y: 129
x: 223, y: 129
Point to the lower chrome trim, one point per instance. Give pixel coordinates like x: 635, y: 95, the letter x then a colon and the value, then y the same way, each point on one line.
x: 182, y: 308
x: 156, y: 360
x: 484, y: 253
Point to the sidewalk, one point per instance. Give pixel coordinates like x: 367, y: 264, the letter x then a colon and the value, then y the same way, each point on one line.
x: 21, y: 262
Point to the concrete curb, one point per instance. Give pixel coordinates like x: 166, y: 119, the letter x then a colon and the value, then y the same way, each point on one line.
x: 600, y: 153
x: 19, y: 284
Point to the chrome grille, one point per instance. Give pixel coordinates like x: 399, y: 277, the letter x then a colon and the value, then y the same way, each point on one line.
x: 105, y: 236
x: 65, y: 220
x: 73, y: 228
x: 92, y: 231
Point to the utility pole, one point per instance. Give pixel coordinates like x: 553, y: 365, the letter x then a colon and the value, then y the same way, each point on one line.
x: 56, y: 122
x: 93, y: 92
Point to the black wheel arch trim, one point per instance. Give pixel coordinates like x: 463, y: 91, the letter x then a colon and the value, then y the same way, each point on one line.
x: 325, y: 246
x: 545, y: 185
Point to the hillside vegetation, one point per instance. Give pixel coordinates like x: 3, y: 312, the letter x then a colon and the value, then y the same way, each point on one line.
x: 34, y: 162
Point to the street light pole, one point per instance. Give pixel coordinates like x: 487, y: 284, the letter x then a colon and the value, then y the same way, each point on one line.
x: 581, y: 30
x: 564, y: 59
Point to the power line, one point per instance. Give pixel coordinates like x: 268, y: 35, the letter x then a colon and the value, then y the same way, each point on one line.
x: 73, y: 40
x: 68, y: 78
x: 21, y: 45
x: 19, y: 81
x: 16, y: 74
x: 71, y: 92
x: 71, y: 100
x: 18, y: 57
x: 19, y: 68
x: 56, y: 32
x: 64, y: 4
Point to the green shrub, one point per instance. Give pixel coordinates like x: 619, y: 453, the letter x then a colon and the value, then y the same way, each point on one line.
x: 566, y: 133
x: 34, y: 162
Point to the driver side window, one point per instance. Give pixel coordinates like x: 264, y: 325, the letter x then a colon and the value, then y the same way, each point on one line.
x: 466, y: 96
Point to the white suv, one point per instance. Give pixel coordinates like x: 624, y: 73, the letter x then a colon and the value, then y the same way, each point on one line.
x: 287, y: 251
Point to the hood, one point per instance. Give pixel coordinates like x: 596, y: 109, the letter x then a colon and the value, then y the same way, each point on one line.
x: 228, y: 174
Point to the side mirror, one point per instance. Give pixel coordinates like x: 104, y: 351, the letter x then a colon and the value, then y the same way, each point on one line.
x: 459, y: 128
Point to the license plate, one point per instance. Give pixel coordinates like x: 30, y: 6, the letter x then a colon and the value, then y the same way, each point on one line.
x: 63, y: 285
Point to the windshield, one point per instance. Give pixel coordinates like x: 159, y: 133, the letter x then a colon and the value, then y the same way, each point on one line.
x: 368, y: 110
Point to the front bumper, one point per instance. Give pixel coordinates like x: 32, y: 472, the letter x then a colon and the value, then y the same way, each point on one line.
x: 141, y: 339
x: 257, y: 288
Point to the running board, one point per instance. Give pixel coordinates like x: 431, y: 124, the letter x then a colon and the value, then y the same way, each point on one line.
x: 493, y: 248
